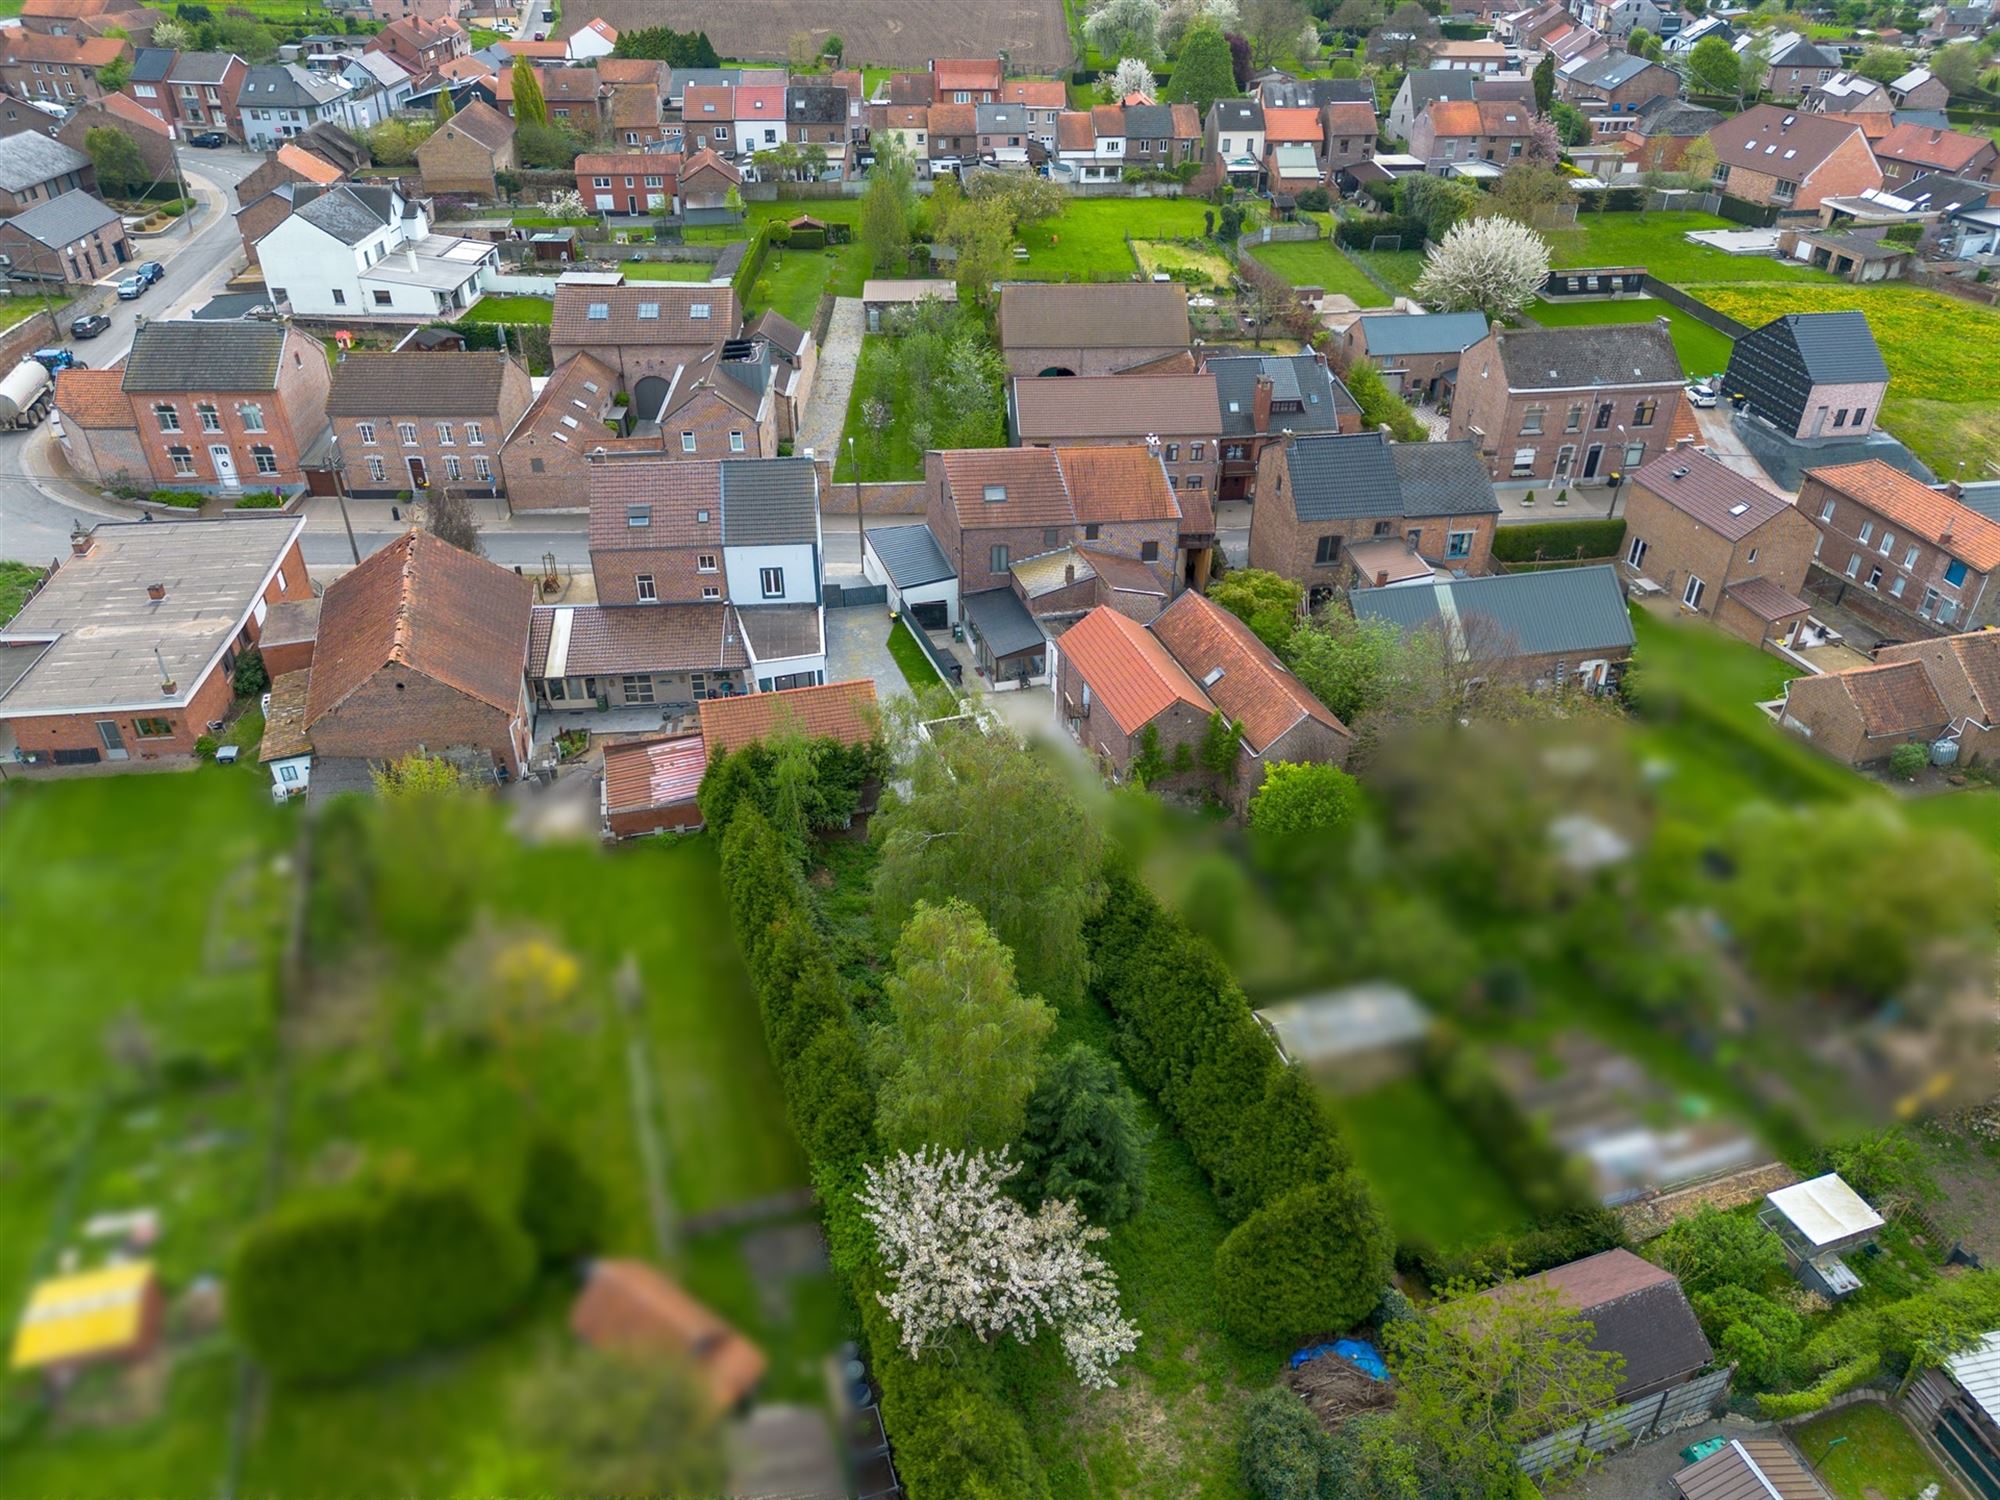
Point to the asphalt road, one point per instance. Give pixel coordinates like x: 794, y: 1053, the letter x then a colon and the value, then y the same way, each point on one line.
x: 34, y: 520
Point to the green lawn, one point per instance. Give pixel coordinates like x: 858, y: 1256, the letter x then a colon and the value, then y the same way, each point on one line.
x: 1087, y: 242
x: 1433, y: 1180
x: 917, y: 669
x: 891, y: 454
x: 793, y: 281
x: 16, y: 578
x: 1400, y: 268
x: 1659, y: 243
x: 1321, y: 263
x: 188, y: 872
x: 667, y: 270
x: 510, y: 310
x: 1881, y: 1458
x: 1702, y: 349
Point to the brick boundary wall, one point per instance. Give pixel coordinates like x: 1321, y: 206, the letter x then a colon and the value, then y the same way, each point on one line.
x: 904, y: 499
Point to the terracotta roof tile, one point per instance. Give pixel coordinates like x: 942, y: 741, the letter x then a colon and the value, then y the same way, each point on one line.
x: 1187, y: 122
x: 692, y: 315
x: 1099, y: 315
x: 1035, y: 93
x: 1348, y: 118
x: 644, y: 774
x: 630, y: 70
x: 627, y: 1304
x: 1074, y: 131
x: 953, y: 119
x: 1918, y: 509
x: 94, y: 399
x: 1127, y: 406
x: 425, y: 605
x: 1027, y: 484
x: 843, y: 711
x: 312, y: 168
x: 1948, y: 150
x: 973, y: 74
x: 1129, y: 672
x: 1965, y: 670
x: 1108, y: 120
x: 1249, y: 683
x: 1122, y: 483
x: 1895, y: 698
x: 1292, y: 125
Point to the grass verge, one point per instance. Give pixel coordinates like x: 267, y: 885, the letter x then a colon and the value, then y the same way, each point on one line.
x: 510, y: 310
x: 916, y: 665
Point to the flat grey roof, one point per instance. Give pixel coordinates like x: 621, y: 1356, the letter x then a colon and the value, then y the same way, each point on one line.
x: 1572, y: 610
x: 107, y: 631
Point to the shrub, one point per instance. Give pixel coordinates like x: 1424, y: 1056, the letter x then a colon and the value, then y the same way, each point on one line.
x: 260, y: 500
x: 1558, y: 539
x: 1545, y: 1176
x: 1759, y: 1334
x: 1905, y: 761
x: 1314, y: 1261
x: 330, y: 1289
x: 251, y: 674
x: 802, y: 239
x: 179, y: 499
x: 1314, y: 200
x: 1284, y: 1447
x: 561, y: 1204
x: 1361, y: 233
x: 1716, y: 1249
x: 204, y: 746
x: 1558, y: 1240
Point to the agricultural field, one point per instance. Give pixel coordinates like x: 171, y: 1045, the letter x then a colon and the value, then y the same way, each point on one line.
x: 1321, y: 263
x: 878, y: 33
x: 1943, y: 357
x: 153, y: 1073
x: 1702, y: 349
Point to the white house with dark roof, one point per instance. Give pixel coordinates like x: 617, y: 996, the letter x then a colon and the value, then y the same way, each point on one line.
x: 358, y: 250
x: 284, y: 100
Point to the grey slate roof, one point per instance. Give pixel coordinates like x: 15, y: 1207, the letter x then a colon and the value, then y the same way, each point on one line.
x: 1003, y: 622
x: 1396, y: 334
x: 1804, y: 54
x: 1239, y: 114
x: 1569, y: 358
x: 910, y: 555
x: 201, y: 67
x: 1837, y: 346
x: 1983, y: 496
x: 1610, y: 70
x: 1443, y: 479
x: 286, y: 86
x: 56, y: 222
x: 1428, y: 84
x: 1311, y: 93
x: 1149, y: 122
x: 409, y: 384
x: 1947, y: 194
x: 1667, y: 115
x: 350, y: 214
x: 1343, y: 476
x: 173, y: 357
x: 31, y: 157
x: 768, y: 501
x: 1574, y: 611
x: 992, y: 118
x: 152, y: 64
x: 816, y: 104
x: 1298, y: 377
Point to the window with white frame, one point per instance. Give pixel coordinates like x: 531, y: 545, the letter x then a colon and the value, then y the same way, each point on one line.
x: 366, y: 432
x: 687, y: 442
x: 183, y: 460
x: 252, y: 415
x: 735, y: 442
x: 1691, y: 595
x: 406, y: 433
x: 474, y: 434
x: 444, y: 434
x: 1458, y: 544
x: 705, y: 563
x: 168, y: 417
x: 648, y: 594
x: 264, y: 458
x: 376, y: 470
x: 1635, y: 555
x: 482, y: 470
x: 209, y: 417
x: 451, y: 470
x: 1826, y: 511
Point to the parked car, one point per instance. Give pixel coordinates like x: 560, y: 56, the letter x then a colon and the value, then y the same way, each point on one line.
x: 132, y: 286
x: 1701, y: 394
x: 152, y: 270
x: 208, y: 139
x: 89, y: 326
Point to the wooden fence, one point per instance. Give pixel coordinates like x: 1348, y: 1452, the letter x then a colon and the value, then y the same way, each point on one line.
x: 1649, y: 1417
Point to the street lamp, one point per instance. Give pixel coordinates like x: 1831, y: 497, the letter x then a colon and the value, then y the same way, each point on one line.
x: 860, y: 531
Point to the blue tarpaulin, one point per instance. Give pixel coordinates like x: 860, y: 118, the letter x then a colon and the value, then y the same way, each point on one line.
x: 1357, y: 1352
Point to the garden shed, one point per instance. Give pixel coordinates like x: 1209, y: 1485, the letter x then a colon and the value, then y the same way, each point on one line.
x: 631, y: 1306
x: 1817, y: 1220
x: 1352, y: 1038
x: 87, y: 1318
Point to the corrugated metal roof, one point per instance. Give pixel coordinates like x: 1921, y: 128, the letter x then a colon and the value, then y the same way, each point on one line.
x: 1568, y: 610
x: 910, y: 555
x: 1825, y: 1209
x: 1977, y: 1370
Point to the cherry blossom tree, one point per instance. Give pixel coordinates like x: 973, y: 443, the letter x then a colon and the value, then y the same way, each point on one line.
x: 1491, y: 265
x: 1132, y: 77
x: 1179, y: 15
x: 960, y: 1253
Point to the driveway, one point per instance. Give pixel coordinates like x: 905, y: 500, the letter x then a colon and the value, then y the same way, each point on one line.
x: 826, y: 408
x: 857, y: 645
x: 1646, y: 1472
x: 1718, y: 435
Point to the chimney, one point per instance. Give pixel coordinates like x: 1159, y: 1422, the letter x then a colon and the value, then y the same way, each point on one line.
x: 1069, y: 572
x: 1260, y: 405
x: 1684, y: 442
x: 1382, y: 578
x: 410, y: 259
x: 79, y: 542
x: 1954, y: 489
x: 156, y: 592
x: 167, y: 684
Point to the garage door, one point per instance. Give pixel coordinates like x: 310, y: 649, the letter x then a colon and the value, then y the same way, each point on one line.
x: 932, y: 616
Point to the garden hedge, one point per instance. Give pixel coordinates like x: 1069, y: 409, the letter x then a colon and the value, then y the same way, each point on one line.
x: 1186, y: 1031
x: 1361, y: 233
x: 1555, y: 540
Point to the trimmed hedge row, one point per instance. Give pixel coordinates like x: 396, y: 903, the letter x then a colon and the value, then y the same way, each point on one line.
x: 1543, y: 1176
x: 954, y: 1435
x: 1256, y: 1127
x: 1360, y: 234
x: 1556, y: 540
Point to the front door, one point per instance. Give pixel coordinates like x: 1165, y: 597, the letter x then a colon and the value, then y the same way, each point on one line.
x: 419, y: 480
x: 225, y: 465
x: 1565, y: 460
x: 114, y: 742
x: 1591, y: 460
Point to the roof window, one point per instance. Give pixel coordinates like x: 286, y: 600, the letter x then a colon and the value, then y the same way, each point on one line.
x: 638, y: 515
x: 698, y: 310
x: 598, y: 311
x: 649, y: 311
x: 993, y: 493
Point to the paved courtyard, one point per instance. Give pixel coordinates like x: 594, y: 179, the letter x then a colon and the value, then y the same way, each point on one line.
x: 857, y: 645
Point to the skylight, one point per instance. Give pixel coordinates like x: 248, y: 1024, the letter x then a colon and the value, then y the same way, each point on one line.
x: 598, y: 311
x: 638, y: 515
x: 698, y: 310
x: 649, y: 311
x: 1739, y: 508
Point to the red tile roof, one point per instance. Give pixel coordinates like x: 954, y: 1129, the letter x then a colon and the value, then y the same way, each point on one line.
x: 1074, y: 131
x: 1122, y: 483
x: 1281, y: 125
x: 647, y: 774
x: 1035, y: 93
x: 1129, y: 672
x: 1948, y: 150
x: 94, y: 399
x: 971, y: 74
x: 1344, y: 117
x: 952, y: 119
x: 1245, y: 680
x: 1917, y: 508
x: 628, y: 1304
x: 1108, y: 121
x: 312, y: 168
x: 843, y: 711
x: 422, y: 604
x: 1029, y: 482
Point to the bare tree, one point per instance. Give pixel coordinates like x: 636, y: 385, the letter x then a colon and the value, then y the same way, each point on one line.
x: 1406, y: 38
x: 448, y: 517
x: 1272, y: 26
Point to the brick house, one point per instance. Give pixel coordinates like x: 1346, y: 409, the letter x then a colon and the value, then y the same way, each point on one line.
x: 422, y: 45
x: 204, y: 88
x: 1233, y: 142
x: 407, y: 421
x: 463, y: 154
x: 59, y: 70
x: 1413, y: 351
x: 1179, y: 414
x: 1126, y: 506
x: 1914, y: 693
x: 1319, y: 495
x: 1810, y: 375
x: 1792, y: 161
x: 716, y: 409
x: 575, y: 96
x: 629, y: 182
x: 1612, y: 89
x: 637, y: 106
x: 422, y: 647
x: 1919, y: 89
x: 290, y: 163
x: 1122, y: 688
x: 1049, y: 328
x: 1264, y: 396
x: 93, y: 422
x: 87, y: 18
x: 1044, y: 99
x: 36, y: 168
x: 1348, y: 130
x: 1727, y: 548
x: 1899, y: 552
x: 1461, y: 130
x: 1909, y: 151
x: 128, y: 650
x: 1568, y: 406
x: 118, y: 112
x: 966, y: 80
x: 954, y: 132
x: 706, y: 182
x: 1796, y: 65
x: 228, y: 405
x: 1657, y: 139
x: 1559, y: 629
x: 708, y: 117
x: 74, y: 239
x: 650, y: 328
x: 545, y: 460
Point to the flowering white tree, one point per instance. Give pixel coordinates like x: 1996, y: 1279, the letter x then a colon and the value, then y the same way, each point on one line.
x: 1124, y: 28
x: 1181, y: 14
x: 1307, y: 49
x: 1132, y: 77
x: 1494, y: 265
x: 959, y: 1252
x: 568, y: 204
